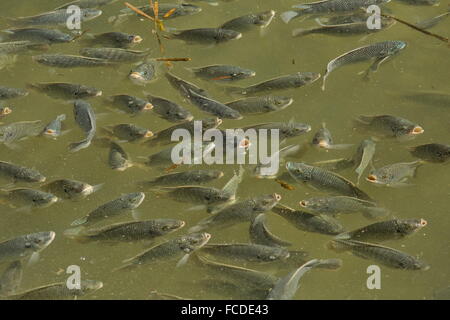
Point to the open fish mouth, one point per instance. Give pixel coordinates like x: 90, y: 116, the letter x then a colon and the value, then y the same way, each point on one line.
x: 417, y: 130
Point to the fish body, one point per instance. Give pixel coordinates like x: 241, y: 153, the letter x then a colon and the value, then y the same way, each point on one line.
x: 15, y: 131
x: 213, y: 107
x: 67, y: 91
x: 192, y: 177
x: 433, y: 152
x: 69, y: 61
x: 262, y: 104
x: 37, y: 35
x: 206, y: 35
x: 86, y: 4
x: 363, y: 156
x: 394, y: 175
x: 130, y: 132
x: 59, y: 291
x: 114, y: 54
x: 20, y: 173
x: 53, y: 129
x: 164, y: 9
x: 260, y: 234
x: 220, y: 72
x: 53, y: 18
x: 70, y: 189
x: 169, y: 110
x: 11, y: 278
x: 24, y: 246
x: 11, y: 93
x: 26, y: 198
x: 118, y: 159
x: 184, y: 87
x: 323, y: 139
x: 86, y: 120
x: 246, y: 252
x: 250, y: 21
x: 387, y: 126
x: 285, y: 129
x: 115, y: 39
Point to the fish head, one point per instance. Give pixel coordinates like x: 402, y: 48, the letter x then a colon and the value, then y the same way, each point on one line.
x: 225, y: 35
x: 411, y: 225
x: 303, y: 78
x: 322, y: 138
x: 215, y: 174
x: 88, y: 91
x: 39, y: 241
x: 264, y: 18
x: 135, y: 39
x: 193, y: 241
x: 190, y: 8
x: 217, y: 196
x: 89, y: 14
x: 266, y: 202
x: 135, y: 199
x: 279, y: 102
x: 396, y: 47
x: 33, y: 175
x: 299, y: 171
x: 297, y: 128
x: 170, y: 225
x: 313, y: 203
x: 276, y: 253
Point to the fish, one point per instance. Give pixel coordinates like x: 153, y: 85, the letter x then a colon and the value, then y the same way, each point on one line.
x: 260, y: 234
x: 37, y: 35
x: 284, y: 82
x: 385, y: 230
x: 118, y: 159
x: 205, y: 35
x: 26, y: 199
x: 249, y: 21
x: 115, y: 39
x: 114, y: 54
x: 127, y: 231
x: 129, y: 201
x: 309, y: 222
x: 429, y: 98
x: 213, y: 107
x: 343, y: 204
x: 86, y: 4
x: 165, y: 136
x: 53, y: 129
x: 59, y: 291
x: 386, y: 256
x: 262, y: 104
x: 24, y: 246
x: 129, y: 132
x: 130, y: 104
x: 221, y: 72
x: 66, y: 91
x: 363, y: 156
x: 16, y: 131
x: 16, y: 47
x: 169, y: 110
x: 181, y: 9
x: 11, y: 278
x: 86, y: 120
x: 394, y: 175
x: 388, y: 126
x: 323, y: 139
x: 69, y: 61
x: 328, y: 7
x: 344, y: 29
x: 182, y: 246
x: 71, y: 189
x: 54, y: 18
x: 246, y: 278
x: 286, y: 287
x: 325, y: 181
x: 11, y: 93
x: 242, y: 211
x: 164, y: 157
x: 432, y: 152
x: 192, y: 177
x: 246, y: 252
x: 19, y: 173
x: 143, y: 73
x: 286, y: 130
x: 379, y: 52
x: 184, y: 87
x: 430, y: 23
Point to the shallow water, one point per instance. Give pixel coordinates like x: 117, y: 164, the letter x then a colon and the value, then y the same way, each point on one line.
x: 423, y: 65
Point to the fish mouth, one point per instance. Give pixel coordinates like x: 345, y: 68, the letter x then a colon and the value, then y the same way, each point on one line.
x: 303, y: 203
x: 148, y: 134
x: 148, y: 106
x: 372, y: 178
x: 277, y: 197
x: 137, y: 39
x: 190, y: 118
x: 50, y: 132
x: 220, y: 175
x: 417, y: 130
x: 238, y: 36
x: 5, y: 111
x: 422, y: 223
x: 87, y: 190
x: 323, y: 144
x: 136, y: 76
x: 99, y: 93
x: 42, y: 179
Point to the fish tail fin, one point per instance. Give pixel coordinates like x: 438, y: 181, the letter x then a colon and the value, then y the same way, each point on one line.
x: 289, y: 15
x: 375, y: 213
x: 79, y: 222
x: 77, y: 146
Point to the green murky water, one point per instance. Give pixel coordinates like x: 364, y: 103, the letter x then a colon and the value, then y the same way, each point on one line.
x: 423, y: 65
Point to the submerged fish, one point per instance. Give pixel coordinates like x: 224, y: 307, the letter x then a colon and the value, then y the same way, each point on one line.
x: 129, y: 201
x: 285, y: 130
x: 20, y: 173
x: 328, y: 7
x: 386, y: 256
x: 169, y: 110
x: 433, y: 152
x: 387, y: 126
x: 11, y: 93
x: 379, y: 52
x: 130, y: 104
x: 394, y: 175
x: 249, y: 21
x: 56, y: 17
x: 263, y: 104
x: 246, y: 252
x: 86, y: 120
x: 342, y: 204
x: 15, y: 47
x: 62, y: 90
x: 59, y: 291
x: 324, y: 180
x: 37, y: 35
x: 184, y: 87
x: 323, y: 139
x: 127, y: 231
x: 291, y: 81
x: 11, y: 278
x: 69, y: 61
x: 192, y: 177
x: 205, y: 35
x: 25, y: 198
x: 385, y: 230
x: 260, y: 234
x: 221, y: 72
x: 213, y: 107
x: 53, y: 129
x: 114, y: 54
x: 115, y: 39
x: 24, y: 246
x: 143, y: 73
x: 129, y: 132
x: 182, y: 246
x: 71, y: 189
x: 421, y: 2
x: 239, y: 212
x: 15, y: 131
x: 165, y: 10
x: 118, y: 159
x: 86, y: 4
x: 309, y: 222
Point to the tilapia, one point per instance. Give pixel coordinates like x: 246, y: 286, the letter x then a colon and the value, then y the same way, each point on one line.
x: 387, y: 126
x: 323, y: 139
x: 221, y: 72
x: 67, y: 91
x: 11, y: 93
x: 130, y: 104
x: 192, y: 177
x: 363, y: 156
x: 53, y: 18
x: 246, y: 252
x: 260, y: 234
x: 169, y: 110
x: 213, y: 107
x: 114, y: 54
x: 71, y: 189
x: 11, y: 278
x: 115, y: 39
x: 129, y: 132
x: 263, y: 104
x: 394, y: 175
x: 20, y: 173
x: 86, y: 120
x: 69, y: 61
x: 53, y: 129
x: 205, y: 35
x: 16, y: 131
x: 37, y: 35
x: 250, y: 21
x: 25, y: 199
x: 433, y: 152
x: 184, y: 87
